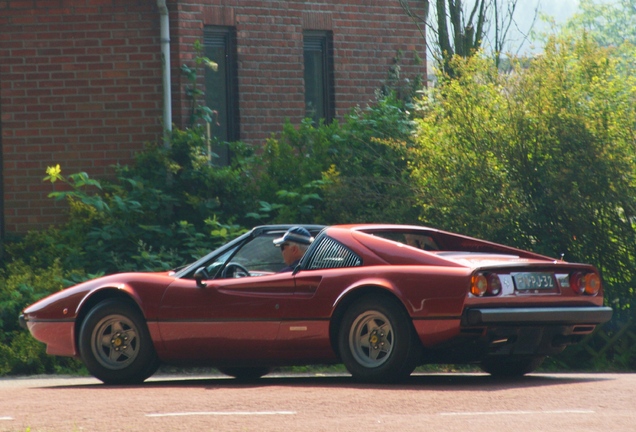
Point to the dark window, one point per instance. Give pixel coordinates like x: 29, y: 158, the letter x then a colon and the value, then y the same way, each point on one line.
x: 417, y: 239
x: 319, y: 103
x: 221, y: 89
x: 329, y: 253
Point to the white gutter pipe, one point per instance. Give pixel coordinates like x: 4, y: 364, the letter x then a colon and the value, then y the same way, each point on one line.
x: 165, y: 58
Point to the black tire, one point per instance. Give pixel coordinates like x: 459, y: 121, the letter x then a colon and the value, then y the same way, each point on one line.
x: 377, y: 341
x: 511, y: 366
x: 115, y: 344
x: 245, y: 373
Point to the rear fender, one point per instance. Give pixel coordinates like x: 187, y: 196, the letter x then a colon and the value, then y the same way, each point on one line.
x: 370, y: 286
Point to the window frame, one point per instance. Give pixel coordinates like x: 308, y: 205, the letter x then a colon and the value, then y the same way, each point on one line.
x: 321, y: 42
x: 224, y: 38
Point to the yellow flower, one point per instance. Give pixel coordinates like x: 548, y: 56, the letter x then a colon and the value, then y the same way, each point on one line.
x: 53, y: 173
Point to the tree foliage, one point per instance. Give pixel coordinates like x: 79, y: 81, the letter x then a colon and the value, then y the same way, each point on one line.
x: 608, y: 23
x: 541, y: 158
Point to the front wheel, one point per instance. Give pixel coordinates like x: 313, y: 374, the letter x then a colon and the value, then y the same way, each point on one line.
x: 115, y: 344
x: 511, y: 366
x: 377, y: 342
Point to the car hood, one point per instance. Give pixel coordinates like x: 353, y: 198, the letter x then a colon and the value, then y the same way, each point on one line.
x: 146, y: 289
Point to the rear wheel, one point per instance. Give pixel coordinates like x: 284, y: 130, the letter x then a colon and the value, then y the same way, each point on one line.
x: 511, y: 366
x: 377, y: 342
x: 115, y: 344
x: 245, y: 373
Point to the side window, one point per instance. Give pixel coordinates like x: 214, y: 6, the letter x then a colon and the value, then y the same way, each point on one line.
x: 329, y: 253
x: 221, y: 88
x: 260, y: 256
x: 319, y: 87
x: 412, y: 238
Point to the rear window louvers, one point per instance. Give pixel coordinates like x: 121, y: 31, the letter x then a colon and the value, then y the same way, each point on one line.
x: 331, y: 254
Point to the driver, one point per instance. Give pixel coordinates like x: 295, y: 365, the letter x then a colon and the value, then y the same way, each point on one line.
x: 293, y: 245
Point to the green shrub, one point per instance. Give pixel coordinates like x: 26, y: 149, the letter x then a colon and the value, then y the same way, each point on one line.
x: 353, y: 171
x: 21, y: 285
x: 540, y: 158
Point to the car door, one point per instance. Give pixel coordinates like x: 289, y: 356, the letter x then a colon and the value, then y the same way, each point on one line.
x: 326, y: 270
x: 228, y: 318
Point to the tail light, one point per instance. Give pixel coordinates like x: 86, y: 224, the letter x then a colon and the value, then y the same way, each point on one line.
x: 585, y: 283
x: 485, y: 284
x: 494, y: 284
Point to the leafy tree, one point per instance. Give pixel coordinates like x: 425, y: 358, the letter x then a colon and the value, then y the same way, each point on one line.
x: 463, y: 28
x: 608, y: 23
x: 541, y: 158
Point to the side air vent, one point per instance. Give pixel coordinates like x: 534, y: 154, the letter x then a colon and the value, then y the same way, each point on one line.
x: 331, y: 254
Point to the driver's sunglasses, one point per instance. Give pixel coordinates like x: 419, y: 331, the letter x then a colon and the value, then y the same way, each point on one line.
x: 283, y: 246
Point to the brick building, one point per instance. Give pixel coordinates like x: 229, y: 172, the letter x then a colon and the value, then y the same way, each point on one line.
x: 82, y: 82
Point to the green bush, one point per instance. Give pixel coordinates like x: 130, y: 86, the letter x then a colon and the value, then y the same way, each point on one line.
x: 352, y: 171
x: 20, y: 353
x: 541, y: 158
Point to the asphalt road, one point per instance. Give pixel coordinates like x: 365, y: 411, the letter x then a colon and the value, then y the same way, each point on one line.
x: 429, y: 402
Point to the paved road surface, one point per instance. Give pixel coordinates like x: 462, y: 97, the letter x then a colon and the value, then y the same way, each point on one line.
x: 430, y: 402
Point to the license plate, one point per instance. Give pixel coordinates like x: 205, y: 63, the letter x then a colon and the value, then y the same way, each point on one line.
x: 534, y: 281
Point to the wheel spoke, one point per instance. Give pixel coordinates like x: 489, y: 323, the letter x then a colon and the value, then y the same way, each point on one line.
x: 387, y: 346
x: 106, y: 338
x: 386, y: 329
x: 364, y: 343
x: 129, y: 351
x: 377, y: 350
x: 374, y: 324
x: 118, y: 327
x: 130, y: 343
x: 130, y: 335
x: 114, y: 355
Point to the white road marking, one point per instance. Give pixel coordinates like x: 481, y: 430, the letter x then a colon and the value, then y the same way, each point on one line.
x: 487, y: 413
x: 222, y: 413
x: 6, y: 418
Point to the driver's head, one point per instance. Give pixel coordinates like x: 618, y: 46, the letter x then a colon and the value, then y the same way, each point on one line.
x: 294, y: 243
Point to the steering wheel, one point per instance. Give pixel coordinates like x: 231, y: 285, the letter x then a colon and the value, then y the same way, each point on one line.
x: 234, y: 270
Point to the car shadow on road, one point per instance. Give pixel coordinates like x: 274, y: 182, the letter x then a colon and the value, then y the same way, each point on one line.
x: 432, y: 381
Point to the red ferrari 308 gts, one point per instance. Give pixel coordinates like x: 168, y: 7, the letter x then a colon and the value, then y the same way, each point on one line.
x: 382, y: 299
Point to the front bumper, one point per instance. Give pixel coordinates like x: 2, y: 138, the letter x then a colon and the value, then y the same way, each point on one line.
x: 537, y: 316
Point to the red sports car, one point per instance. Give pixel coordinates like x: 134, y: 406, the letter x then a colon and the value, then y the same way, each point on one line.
x: 382, y: 299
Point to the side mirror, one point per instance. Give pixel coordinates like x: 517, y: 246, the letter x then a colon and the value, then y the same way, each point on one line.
x: 200, y: 275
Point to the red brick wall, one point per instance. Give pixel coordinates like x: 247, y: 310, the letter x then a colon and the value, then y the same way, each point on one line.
x: 80, y: 80
x: 367, y: 35
x: 80, y: 85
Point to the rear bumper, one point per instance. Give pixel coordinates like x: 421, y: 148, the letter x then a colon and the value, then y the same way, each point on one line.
x: 537, y: 316
x: 22, y: 321
x: 510, y: 331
